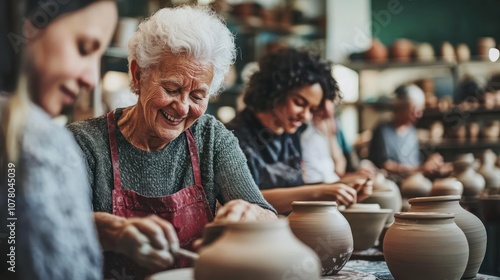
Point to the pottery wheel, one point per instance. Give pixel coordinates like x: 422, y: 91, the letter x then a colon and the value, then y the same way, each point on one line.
x: 349, y: 274
x: 177, y: 274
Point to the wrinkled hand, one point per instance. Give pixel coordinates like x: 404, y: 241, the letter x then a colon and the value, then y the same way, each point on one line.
x: 149, y: 241
x: 241, y: 210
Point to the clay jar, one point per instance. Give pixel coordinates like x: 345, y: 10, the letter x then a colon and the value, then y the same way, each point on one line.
x: 425, y: 245
x: 402, y: 50
x: 265, y: 250
x: 321, y: 226
x: 447, y: 186
x: 489, y: 171
x: 386, y: 194
x: 377, y: 52
x: 463, y: 170
x: 472, y: 227
x: 367, y: 222
x: 416, y: 185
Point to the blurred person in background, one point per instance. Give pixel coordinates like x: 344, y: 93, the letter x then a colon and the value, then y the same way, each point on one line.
x: 395, y: 147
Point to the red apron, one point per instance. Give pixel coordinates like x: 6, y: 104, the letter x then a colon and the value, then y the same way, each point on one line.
x: 187, y: 210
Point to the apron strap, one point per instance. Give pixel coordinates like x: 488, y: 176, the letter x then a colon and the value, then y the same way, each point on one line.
x: 193, y: 152
x: 113, y: 146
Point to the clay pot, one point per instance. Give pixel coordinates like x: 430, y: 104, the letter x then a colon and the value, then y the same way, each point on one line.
x: 377, y: 52
x: 489, y: 171
x: 402, y: 50
x: 463, y: 170
x: 257, y: 250
x: 448, y: 52
x: 472, y: 227
x: 491, y: 130
x: 211, y: 232
x: 367, y: 222
x: 463, y: 52
x: 473, y: 129
x: 386, y: 194
x: 424, y: 52
x: 436, y: 131
x: 483, y: 47
x: 425, y: 245
x: 447, y: 186
x: 321, y: 226
x: 416, y: 185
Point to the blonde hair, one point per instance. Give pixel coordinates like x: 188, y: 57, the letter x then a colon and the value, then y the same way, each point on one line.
x: 13, y: 120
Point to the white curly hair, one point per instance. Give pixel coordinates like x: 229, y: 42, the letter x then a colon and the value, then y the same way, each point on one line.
x: 194, y: 30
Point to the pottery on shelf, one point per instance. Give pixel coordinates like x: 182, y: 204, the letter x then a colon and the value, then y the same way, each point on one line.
x: 265, y: 250
x: 472, y: 227
x: 463, y: 52
x: 424, y: 52
x: 464, y: 171
x: 425, y: 245
x: 367, y: 222
x: 416, y: 185
x: 447, y: 186
x: 489, y: 171
x: 320, y: 226
x: 491, y: 130
x: 402, y: 50
x: 448, y: 52
x: 484, y: 45
x: 377, y: 52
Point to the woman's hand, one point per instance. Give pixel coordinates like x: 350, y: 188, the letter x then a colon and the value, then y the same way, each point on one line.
x: 339, y: 192
x: 151, y: 242
x: 241, y: 210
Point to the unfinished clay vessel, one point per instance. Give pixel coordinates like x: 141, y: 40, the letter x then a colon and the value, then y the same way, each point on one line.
x: 425, y: 245
x: 463, y: 170
x: 386, y: 194
x: 489, y: 171
x: 367, y: 222
x: 265, y: 250
x: 447, y: 186
x: 416, y: 185
x: 472, y: 227
x: 321, y: 226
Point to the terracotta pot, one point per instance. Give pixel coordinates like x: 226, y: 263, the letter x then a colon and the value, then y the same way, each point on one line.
x: 473, y: 129
x: 366, y: 223
x: 377, y: 52
x: 489, y: 171
x: 321, y: 226
x: 257, y: 250
x: 472, y: 227
x: 463, y: 170
x: 491, y: 130
x: 416, y: 185
x: 447, y: 186
x: 402, y: 50
x: 425, y: 246
x: 211, y: 232
x: 484, y: 45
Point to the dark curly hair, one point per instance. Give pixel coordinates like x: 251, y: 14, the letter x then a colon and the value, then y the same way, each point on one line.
x: 283, y: 71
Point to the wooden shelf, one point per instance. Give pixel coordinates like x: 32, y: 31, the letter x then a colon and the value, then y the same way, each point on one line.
x: 365, y: 65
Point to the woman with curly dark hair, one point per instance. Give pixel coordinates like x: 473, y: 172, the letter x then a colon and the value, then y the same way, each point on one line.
x: 289, y: 87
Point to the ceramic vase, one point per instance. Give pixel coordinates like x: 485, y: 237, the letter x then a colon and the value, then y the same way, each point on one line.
x: 489, y: 171
x: 447, y: 186
x: 257, y: 250
x: 367, y: 222
x: 320, y: 225
x: 463, y: 170
x: 416, y: 185
x: 386, y: 194
x: 425, y: 245
x: 377, y: 52
x: 471, y: 225
x: 402, y: 50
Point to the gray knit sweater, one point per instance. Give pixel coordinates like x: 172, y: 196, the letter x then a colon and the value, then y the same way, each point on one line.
x: 225, y: 175
x: 55, y: 234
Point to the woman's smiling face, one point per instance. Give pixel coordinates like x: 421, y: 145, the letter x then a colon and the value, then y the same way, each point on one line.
x: 173, y: 94
x: 298, y: 107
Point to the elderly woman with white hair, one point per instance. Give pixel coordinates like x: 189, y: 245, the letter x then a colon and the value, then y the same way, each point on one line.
x: 164, y: 156
x: 395, y: 147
